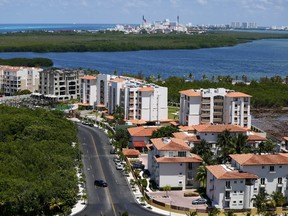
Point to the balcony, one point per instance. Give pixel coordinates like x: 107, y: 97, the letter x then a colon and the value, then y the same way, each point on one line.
x: 262, y: 185
x: 279, y: 184
x: 228, y: 188
x: 205, y: 101
x: 227, y: 198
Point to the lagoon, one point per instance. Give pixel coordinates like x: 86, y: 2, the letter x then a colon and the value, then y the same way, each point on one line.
x: 255, y: 59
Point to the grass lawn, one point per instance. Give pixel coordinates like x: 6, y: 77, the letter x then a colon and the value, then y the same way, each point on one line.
x: 172, y: 112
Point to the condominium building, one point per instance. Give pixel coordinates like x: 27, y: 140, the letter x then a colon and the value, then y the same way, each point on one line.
x: 13, y: 79
x: 60, y: 84
x: 171, y: 163
x: 232, y: 186
x: 88, y: 90
x: 217, y: 106
x: 139, y: 100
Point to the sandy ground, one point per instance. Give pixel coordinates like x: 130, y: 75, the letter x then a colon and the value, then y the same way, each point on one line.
x: 272, y: 122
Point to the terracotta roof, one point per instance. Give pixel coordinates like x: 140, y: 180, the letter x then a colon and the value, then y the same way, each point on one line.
x: 253, y: 159
x: 139, y: 144
x: 186, y: 128
x: 130, y: 152
x: 136, y: 121
x: 146, y: 89
x: 220, y: 172
x: 171, y: 145
x: 285, y: 138
x: 185, y: 136
x: 193, y: 158
x: 88, y: 77
x: 100, y: 105
x: 117, y: 80
x: 237, y: 94
x: 174, y: 123
x: 141, y: 131
x: 191, y: 93
x: 219, y: 128
x: 255, y: 137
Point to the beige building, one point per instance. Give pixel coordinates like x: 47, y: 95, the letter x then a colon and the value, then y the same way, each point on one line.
x: 216, y: 106
x: 60, y: 84
x: 13, y: 79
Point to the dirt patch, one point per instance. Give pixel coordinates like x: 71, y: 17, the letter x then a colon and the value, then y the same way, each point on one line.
x: 273, y: 122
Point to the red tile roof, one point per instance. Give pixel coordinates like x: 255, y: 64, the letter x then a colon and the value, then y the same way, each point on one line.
x: 185, y: 136
x: 146, y: 89
x: 130, y: 152
x: 255, y: 137
x: 88, y: 77
x: 171, y: 145
x: 141, y: 131
x: 192, y: 159
x: 220, y: 172
x: 237, y: 94
x: 139, y: 144
x: 191, y: 93
x: 219, y: 128
x: 253, y: 159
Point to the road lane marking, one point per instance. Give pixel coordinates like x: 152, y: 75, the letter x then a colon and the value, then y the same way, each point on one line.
x: 109, y: 195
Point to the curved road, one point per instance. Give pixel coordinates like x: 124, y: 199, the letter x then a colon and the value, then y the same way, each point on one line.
x: 98, y: 164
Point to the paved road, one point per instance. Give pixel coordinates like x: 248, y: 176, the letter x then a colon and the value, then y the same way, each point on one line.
x: 98, y: 164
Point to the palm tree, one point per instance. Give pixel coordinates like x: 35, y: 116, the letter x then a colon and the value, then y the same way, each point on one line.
x: 191, y: 76
x: 278, y: 199
x: 224, y: 141
x: 204, y: 77
x: 167, y: 188
x: 201, y: 175
x: 214, y: 212
x: 260, y: 201
x: 194, y: 213
x: 240, y: 144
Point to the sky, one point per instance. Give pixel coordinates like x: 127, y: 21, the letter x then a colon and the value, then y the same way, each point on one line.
x: 196, y: 12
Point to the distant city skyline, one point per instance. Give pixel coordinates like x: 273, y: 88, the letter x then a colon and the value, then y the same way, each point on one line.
x: 196, y: 12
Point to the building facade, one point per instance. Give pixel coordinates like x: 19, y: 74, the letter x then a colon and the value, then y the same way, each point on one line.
x: 171, y: 163
x: 60, y: 84
x: 88, y: 91
x: 233, y: 186
x: 217, y: 106
x: 13, y: 79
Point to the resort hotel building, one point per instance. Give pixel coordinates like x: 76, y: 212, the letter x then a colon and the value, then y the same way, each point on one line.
x: 214, y: 106
x: 139, y: 100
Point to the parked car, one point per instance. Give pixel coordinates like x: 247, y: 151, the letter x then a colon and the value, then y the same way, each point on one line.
x: 119, y: 166
x: 116, y: 160
x: 100, y: 183
x: 91, y: 124
x: 138, y: 166
x: 112, y: 151
x: 199, y: 201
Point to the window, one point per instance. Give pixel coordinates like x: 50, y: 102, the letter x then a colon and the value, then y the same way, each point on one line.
x: 180, y: 164
x: 234, y: 202
x: 240, y: 192
x: 235, y: 182
x: 280, y: 166
x: 180, y: 173
x: 240, y: 201
x: 181, y: 154
x: 272, y: 169
x: 190, y: 166
x: 227, y: 184
x: 170, y: 154
x: 235, y: 192
x: 262, y: 181
x: 279, y: 180
x: 241, y: 182
x: 263, y: 167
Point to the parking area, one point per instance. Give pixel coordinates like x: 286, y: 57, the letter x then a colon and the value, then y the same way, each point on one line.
x: 176, y: 198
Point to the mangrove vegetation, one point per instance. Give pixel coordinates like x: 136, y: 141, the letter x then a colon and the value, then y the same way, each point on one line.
x: 117, y: 41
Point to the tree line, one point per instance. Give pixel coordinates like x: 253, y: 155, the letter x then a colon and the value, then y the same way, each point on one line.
x: 38, y: 162
x: 27, y: 62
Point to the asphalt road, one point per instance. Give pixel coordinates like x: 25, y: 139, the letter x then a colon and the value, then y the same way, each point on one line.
x: 98, y: 164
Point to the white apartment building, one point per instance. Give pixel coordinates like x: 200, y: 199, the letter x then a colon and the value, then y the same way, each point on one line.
x: 88, y: 90
x: 13, y: 79
x: 232, y: 186
x: 141, y: 101
x: 60, y: 84
x: 171, y: 163
x: 218, y: 106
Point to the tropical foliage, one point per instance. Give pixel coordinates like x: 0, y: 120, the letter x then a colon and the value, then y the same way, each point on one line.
x: 260, y: 201
x: 34, y: 62
x: 37, y: 160
x: 166, y: 131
